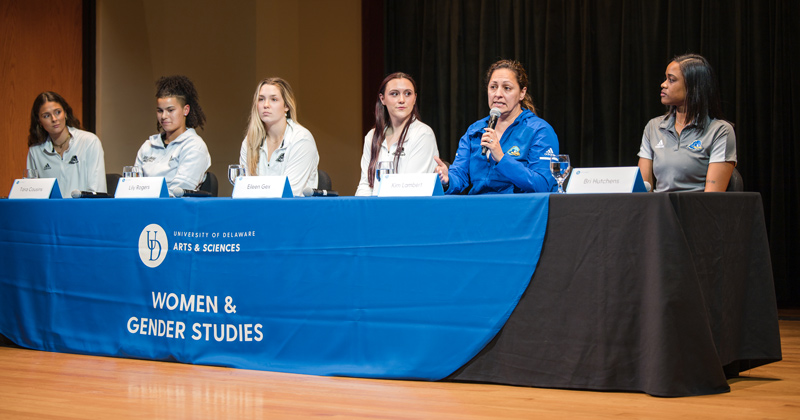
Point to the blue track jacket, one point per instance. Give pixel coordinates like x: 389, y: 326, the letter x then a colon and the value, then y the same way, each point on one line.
x: 528, y: 145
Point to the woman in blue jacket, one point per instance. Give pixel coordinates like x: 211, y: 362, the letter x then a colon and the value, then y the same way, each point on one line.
x: 518, y: 148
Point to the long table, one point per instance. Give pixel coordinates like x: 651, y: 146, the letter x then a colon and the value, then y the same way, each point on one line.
x: 661, y: 293
x: 657, y: 293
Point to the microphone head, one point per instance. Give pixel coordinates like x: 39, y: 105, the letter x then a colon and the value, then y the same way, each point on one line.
x: 495, y: 112
x: 76, y: 194
x: 177, y: 192
x: 308, y: 192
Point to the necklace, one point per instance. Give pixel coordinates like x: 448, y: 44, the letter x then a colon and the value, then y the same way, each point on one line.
x: 59, y: 146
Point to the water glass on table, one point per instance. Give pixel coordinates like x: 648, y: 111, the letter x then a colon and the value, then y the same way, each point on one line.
x: 131, y: 171
x: 383, y: 168
x: 234, y: 172
x: 559, y: 167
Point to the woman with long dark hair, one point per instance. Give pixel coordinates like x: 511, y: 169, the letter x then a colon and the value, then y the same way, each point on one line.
x: 518, y: 148
x: 58, y: 148
x: 690, y: 148
x: 398, y: 135
x: 275, y: 144
x: 177, y: 152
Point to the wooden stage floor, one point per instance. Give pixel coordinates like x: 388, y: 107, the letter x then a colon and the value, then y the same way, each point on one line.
x: 42, y: 385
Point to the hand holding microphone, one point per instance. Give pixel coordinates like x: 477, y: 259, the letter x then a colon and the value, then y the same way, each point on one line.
x: 494, y: 115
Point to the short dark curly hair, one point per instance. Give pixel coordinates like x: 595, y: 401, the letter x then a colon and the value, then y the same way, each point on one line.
x: 181, y: 88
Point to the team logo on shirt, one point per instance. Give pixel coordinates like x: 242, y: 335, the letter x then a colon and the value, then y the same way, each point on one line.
x: 695, y: 146
x: 280, y: 158
x: 46, y: 166
x: 74, y: 160
x: 147, y: 159
x: 153, y: 245
x: 514, y: 151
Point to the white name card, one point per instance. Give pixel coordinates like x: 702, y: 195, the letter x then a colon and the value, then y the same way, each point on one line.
x: 35, y: 188
x: 623, y: 179
x: 410, y: 185
x: 142, y: 187
x: 262, y: 187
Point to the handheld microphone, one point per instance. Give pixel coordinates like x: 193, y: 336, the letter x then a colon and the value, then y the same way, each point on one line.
x: 313, y: 192
x: 89, y: 194
x: 494, y: 114
x: 180, y: 192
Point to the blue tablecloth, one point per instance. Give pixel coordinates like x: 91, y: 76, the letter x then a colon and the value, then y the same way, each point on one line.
x: 389, y: 288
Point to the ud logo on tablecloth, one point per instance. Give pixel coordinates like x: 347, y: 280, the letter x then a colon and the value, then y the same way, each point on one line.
x: 153, y: 245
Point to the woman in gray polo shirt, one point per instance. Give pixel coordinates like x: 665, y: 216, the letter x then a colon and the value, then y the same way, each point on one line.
x: 690, y: 148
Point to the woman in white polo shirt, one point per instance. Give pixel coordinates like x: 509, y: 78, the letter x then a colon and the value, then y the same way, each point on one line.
x: 58, y: 148
x: 398, y: 135
x: 177, y: 152
x: 275, y: 143
x: 691, y: 148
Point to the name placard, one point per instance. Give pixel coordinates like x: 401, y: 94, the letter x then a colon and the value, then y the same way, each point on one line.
x: 410, y: 185
x: 35, y: 188
x: 262, y: 187
x: 623, y: 179
x: 142, y: 187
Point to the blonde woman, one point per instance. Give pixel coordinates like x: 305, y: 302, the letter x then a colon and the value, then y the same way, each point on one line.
x: 275, y: 143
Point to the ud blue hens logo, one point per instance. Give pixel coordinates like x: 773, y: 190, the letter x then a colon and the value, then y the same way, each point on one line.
x: 695, y: 146
x: 514, y: 151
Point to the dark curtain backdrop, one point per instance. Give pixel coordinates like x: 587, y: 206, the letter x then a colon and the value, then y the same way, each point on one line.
x: 595, y: 68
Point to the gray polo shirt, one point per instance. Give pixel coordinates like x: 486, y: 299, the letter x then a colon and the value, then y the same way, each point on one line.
x: 680, y: 162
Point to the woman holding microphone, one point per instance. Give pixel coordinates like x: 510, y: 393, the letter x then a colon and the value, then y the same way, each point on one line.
x: 514, y: 155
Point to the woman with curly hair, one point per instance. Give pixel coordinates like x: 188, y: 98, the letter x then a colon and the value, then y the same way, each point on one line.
x: 58, y: 148
x: 177, y: 153
x: 512, y: 157
x: 275, y: 144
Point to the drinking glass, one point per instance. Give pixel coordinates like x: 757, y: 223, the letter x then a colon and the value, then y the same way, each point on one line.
x: 235, y: 171
x: 131, y: 171
x: 30, y: 174
x: 384, y: 167
x: 559, y: 167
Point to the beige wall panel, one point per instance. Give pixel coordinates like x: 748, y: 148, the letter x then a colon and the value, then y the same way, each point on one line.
x: 210, y: 42
x: 330, y: 72
x: 125, y: 108
x: 226, y: 48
